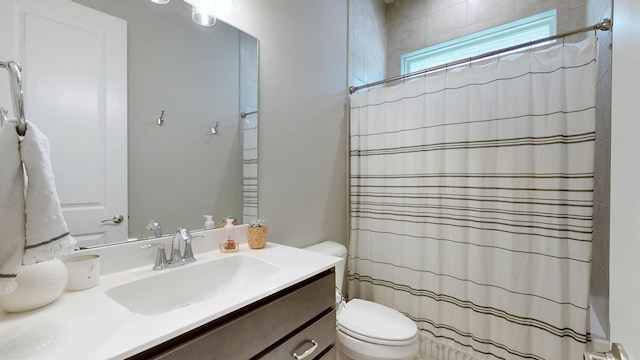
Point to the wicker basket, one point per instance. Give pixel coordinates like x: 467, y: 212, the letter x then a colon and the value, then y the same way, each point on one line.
x: 257, y: 237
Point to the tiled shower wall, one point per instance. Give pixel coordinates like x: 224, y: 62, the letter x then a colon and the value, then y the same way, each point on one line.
x: 367, y: 41
x: 596, y: 11
x: 376, y: 29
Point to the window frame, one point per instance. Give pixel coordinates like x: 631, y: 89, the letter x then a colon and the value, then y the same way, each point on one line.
x: 488, y: 40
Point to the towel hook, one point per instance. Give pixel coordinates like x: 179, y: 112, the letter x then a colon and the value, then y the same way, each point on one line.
x: 160, y: 120
x: 214, y: 130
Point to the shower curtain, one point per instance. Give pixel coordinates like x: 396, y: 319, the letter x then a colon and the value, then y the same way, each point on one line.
x: 471, y: 204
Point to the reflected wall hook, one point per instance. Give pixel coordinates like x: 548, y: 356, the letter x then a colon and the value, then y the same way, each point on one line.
x: 214, y: 130
x: 160, y: 120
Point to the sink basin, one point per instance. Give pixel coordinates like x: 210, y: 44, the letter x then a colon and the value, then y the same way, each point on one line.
x: 174, y: 288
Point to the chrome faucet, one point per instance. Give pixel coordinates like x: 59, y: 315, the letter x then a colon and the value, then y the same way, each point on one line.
x: 176, y: 257
x: 155, y: 227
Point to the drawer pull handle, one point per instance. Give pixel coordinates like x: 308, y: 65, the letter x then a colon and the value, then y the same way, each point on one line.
x: 308, y: 352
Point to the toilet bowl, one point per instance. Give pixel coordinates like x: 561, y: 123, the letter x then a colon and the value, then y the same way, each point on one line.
x: 367, y: 330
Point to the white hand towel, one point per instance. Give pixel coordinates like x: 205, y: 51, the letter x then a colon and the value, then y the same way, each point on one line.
x: 12, y: 227
x: 47, y: 235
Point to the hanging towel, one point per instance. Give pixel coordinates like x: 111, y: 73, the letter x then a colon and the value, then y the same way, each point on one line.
x: 12, y: 228
x: 47, y: 235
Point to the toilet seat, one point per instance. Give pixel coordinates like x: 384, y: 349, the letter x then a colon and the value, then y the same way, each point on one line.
x: 376, y: 323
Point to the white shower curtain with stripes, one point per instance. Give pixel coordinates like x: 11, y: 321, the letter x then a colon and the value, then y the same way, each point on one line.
x: 471, y: 204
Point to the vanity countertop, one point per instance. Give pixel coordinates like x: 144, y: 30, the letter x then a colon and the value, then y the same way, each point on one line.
x: 88, y: 324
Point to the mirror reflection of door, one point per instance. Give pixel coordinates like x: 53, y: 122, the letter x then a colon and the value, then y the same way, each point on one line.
x: 66, y: 51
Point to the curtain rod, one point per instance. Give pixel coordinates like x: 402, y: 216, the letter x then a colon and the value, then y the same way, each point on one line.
x: 245, y: 114
x: 604, y: 25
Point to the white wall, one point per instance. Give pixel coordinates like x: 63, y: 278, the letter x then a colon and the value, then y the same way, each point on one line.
x: 303, y: 125
x: 625, y: 179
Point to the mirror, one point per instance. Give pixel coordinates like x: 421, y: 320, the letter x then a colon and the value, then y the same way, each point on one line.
x: 189, y: 152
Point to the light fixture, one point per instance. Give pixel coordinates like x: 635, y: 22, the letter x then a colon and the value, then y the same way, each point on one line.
x: 201, y: 17
x: 203, y: 12
x: 218, y: 8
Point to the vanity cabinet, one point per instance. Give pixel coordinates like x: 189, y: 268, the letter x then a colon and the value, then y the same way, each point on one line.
x: 290, y: 321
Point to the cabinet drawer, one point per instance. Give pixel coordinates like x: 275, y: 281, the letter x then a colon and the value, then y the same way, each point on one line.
x: 247, y: 333
x: 323, y: 332
x: 331, y: 354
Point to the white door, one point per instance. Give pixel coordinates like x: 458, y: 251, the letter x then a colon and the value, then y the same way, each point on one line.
x: 74, y: 62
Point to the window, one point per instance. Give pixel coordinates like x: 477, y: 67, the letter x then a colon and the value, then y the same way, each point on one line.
x: 510, y: 34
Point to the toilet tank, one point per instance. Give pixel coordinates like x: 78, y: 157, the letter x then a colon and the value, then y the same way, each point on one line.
x: 334, y: 249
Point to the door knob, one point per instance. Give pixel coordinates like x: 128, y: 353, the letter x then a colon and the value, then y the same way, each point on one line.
x: 116, y: 219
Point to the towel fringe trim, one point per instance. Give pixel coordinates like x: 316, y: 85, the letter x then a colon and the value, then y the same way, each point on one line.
x: 29, y: 247
x: 61, y: 247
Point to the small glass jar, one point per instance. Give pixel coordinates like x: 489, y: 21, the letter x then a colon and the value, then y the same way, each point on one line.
x: 229, y: 246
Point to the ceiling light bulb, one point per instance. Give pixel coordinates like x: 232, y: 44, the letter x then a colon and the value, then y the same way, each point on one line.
x: 202, y: 18
x: 219, y: 7
x: 161, y: 2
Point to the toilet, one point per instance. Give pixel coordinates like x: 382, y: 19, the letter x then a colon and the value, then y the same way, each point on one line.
x: 367, y: 330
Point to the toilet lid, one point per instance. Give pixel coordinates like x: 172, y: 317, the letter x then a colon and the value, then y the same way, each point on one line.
x: 372, y: 322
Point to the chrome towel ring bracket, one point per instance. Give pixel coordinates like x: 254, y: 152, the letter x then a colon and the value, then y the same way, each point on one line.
x: 17, y: 96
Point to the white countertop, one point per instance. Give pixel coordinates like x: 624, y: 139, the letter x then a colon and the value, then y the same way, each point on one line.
x: 88, y: 324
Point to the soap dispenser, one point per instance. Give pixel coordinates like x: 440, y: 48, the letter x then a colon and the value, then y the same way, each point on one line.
x: 209, y: 223
x: 229, y: 245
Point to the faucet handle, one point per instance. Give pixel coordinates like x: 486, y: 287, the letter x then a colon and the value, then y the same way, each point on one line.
x: 188, y: 252
x: 161, y: 256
